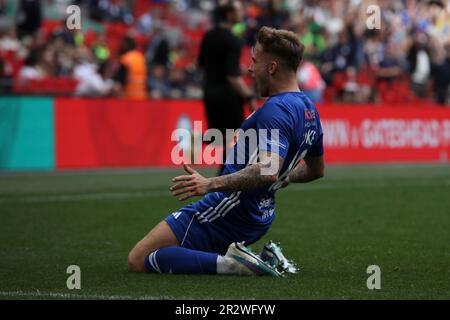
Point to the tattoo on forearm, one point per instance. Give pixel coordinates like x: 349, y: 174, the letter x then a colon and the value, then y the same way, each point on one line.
x: 301, y: 174
x: 245, y: 179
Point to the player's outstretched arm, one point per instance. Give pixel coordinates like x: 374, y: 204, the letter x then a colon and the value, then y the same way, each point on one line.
x: 311, y: 169
x: 258, y: 175
x: 263, y: 173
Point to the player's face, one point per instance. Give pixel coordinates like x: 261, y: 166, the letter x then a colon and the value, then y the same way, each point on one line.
x: 259, y: 70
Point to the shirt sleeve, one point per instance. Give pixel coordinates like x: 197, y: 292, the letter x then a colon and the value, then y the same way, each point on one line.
x: 233, y: 60
x: 274, y: 131
x: 316, y: 149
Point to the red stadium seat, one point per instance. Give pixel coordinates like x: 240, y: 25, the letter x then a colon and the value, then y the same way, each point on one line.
x: 329, y: 94
x: 142, y: 6
x: 51, y: 85
x: 339, y: 80
x: 386, y: 91
x: 194, y: 35
x: 48, y: 26
x: 365, y: 78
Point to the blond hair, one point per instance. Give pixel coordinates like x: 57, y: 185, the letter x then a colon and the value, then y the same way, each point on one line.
x: 282, y: 44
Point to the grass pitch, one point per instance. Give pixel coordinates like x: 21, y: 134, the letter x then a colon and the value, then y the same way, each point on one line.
x: 396, y: 217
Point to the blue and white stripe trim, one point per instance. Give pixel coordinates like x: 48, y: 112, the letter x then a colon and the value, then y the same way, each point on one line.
x: 212, y: 213
x: 227, y: 203
x: 153, y: 262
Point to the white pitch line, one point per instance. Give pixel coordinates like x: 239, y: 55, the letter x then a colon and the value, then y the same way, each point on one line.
x: 159, y: 193
x: 373, y: 185
x: 59, y: 295
x: 85, y: 197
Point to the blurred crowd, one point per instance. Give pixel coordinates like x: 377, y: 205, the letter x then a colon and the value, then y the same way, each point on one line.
x: 146, y: 48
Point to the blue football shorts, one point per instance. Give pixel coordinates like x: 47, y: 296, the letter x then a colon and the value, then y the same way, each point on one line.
x: 212, y: 224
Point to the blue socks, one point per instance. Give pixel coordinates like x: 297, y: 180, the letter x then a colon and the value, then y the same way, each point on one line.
x: 178, y: 260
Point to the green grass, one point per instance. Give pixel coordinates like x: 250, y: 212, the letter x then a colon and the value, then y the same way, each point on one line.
x: 396, y: 217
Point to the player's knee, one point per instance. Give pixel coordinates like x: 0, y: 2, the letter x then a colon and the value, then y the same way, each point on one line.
x: 135, y: 262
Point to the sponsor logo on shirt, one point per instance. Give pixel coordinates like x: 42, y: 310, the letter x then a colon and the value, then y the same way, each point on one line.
x: 310, y: 115
x: 309, y: 136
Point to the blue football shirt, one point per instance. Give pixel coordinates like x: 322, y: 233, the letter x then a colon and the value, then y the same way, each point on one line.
x: 288, y: 124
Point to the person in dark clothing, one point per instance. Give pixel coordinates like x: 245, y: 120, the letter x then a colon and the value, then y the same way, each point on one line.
x: 389, y: 68
x: 157, y: 57
x: 419, y: 64
x: 29, y: 17
x: 224, y: 90
x: 441, y: 77
x: 158, y: 50
x: 5, y: 78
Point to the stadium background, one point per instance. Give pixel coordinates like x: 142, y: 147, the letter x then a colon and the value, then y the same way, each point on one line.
x: 379, y: 91
x: 382, y: 95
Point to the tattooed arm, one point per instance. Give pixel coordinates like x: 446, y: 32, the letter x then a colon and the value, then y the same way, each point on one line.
x: 311, y: 169
x: 258, y: 175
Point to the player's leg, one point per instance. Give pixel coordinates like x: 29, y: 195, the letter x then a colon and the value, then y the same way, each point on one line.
x: 178, y: 260
x: 159, y: 251
x: 160, y: 236
x: 200, y: 243
x: 180, y: 245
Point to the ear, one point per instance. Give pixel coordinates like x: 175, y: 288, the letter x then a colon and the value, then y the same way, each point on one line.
x: 272, y: 67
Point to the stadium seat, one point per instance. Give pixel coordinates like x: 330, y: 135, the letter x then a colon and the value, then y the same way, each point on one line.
x: 48, y: 26
x: 339, y: 80
x: 364, y: 77
x: 329, y: 94
x: 52, y: 85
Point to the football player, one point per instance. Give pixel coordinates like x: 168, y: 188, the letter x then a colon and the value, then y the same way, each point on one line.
x: 209, y: 236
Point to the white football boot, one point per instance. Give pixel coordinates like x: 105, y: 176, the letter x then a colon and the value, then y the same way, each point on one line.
x: 272, y: 254
x: 244, y: 262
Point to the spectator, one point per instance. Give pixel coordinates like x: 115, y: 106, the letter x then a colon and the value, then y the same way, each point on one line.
x: 6, y: 80
x: 389, y: 67
x: 441, y: 77
x: 310, y: 81
x: 61, y: 33
x: 419, y: 65
x: 146, y: 23
x: 337, y: 58
x: 343, y: 52
x: 352, y: 90
x: 91, y: 83
x: 158, y: 49
x: 116, y: 11
x: 10, y: 42
x: 6, y: 19
x: 29, y: 17
x: 100, y: 49
x: 158, y: 84
x: 132, y: 74
x: 334, y: 34
x: 177, y: 80
x: 31, y: 69
x: 96, y: 9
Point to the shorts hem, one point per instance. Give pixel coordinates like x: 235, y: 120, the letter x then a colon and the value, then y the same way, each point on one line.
x: 172, y: 227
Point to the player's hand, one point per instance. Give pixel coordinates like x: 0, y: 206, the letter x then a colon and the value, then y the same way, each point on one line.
x: 190, y: 185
